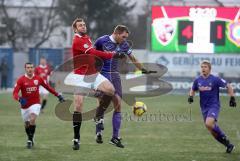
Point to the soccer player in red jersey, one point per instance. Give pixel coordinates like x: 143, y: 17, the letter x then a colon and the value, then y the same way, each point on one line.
x: 29, y: 84
x: 44, y: 71
x: 82, y: 47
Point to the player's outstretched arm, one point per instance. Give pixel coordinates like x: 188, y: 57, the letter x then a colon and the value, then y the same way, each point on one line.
x: 139, y: 65
x: 101, y: 54
x: 232, y: 101
x: 135, y: 62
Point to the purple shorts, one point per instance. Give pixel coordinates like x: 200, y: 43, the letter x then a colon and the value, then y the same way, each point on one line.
x: 211, y: 112
x: 115, y: 79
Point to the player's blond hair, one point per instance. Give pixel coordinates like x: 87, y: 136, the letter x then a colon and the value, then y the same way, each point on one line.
x: 74, y: 24
x: 208, y: 63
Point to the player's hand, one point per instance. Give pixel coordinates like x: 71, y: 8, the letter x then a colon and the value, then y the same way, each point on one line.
x: 190, y: 99
x: 145, y: 71
x: 22, y: 101
x: 232, y: 102
x: 61, y: 98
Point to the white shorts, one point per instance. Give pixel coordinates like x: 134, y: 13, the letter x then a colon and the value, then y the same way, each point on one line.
x: 32, y: 109
x: 86, y: 81
x: 43, y: 91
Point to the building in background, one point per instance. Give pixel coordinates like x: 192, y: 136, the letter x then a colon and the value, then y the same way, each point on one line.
x: 31, y: 24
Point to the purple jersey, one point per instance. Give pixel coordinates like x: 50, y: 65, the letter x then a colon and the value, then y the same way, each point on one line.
x: 209, y: 91
x: 107, y: 43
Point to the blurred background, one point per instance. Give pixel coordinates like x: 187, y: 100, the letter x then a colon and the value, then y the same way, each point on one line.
x: 176, y: 33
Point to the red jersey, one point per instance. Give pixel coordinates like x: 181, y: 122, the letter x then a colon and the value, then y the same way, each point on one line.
x: 29, y: 88
x: 44, y: 72
x: 83, y: 45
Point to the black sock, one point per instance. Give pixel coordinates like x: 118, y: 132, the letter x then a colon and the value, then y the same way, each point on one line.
x: 31, y: 132
x: 77, y: 122
x: 27, y: 130
x: 44, y: 102
x: 103, y: 105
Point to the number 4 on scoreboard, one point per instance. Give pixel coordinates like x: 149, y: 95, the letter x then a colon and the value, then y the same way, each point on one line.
x: 185, y: 32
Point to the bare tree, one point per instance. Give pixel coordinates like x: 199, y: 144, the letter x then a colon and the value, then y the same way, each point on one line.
x: 51, y: 24
x: 18, y: 29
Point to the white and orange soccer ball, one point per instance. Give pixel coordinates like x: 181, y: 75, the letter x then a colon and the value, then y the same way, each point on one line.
x: 139, y: 108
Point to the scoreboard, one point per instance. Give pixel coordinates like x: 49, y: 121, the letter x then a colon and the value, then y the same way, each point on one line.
x: 195, y: 29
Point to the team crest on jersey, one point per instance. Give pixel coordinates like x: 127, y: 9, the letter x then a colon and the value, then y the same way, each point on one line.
x: 35, y: 82
x: 85, y: 46
x: 45, y: 70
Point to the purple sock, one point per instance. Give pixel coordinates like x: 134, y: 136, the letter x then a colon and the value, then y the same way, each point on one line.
x: 221, y: 137
x: 116, y: 123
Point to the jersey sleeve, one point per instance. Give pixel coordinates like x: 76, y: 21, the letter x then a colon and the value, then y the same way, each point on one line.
x: 126, y: 48
x: 16, y: 89
x: 101, y: 54
x: 221, y: 82
x: 195, y: 85
x: 46, y: 86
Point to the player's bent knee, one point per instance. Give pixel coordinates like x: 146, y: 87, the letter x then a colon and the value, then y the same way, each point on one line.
x: 78, y: 108
x: 117, y: 108
x: 33, y: 118
x: 111, y: 90
x: 32, y: 121
x: 117, y: 103
x: 107, y: 88
x: 78, y: 103
x: 209, y: 125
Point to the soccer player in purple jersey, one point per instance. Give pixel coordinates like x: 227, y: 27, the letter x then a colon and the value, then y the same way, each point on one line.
x: 208, y: 86
x: 115, y: 42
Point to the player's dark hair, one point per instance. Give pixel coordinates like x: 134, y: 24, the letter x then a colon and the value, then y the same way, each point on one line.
x: 120, y: 29
x: 28, y: 63
x: 208, y: 63
x: 74, y: 24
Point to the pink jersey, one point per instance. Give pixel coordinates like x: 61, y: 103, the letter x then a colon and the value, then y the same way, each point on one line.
x: 29, y: 88
x: 44, y: 72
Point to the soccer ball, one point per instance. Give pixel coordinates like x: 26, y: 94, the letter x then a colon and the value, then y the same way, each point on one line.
x: 139, y: 108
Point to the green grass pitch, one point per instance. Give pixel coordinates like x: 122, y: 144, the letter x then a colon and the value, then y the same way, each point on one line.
x: 171, y: 130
